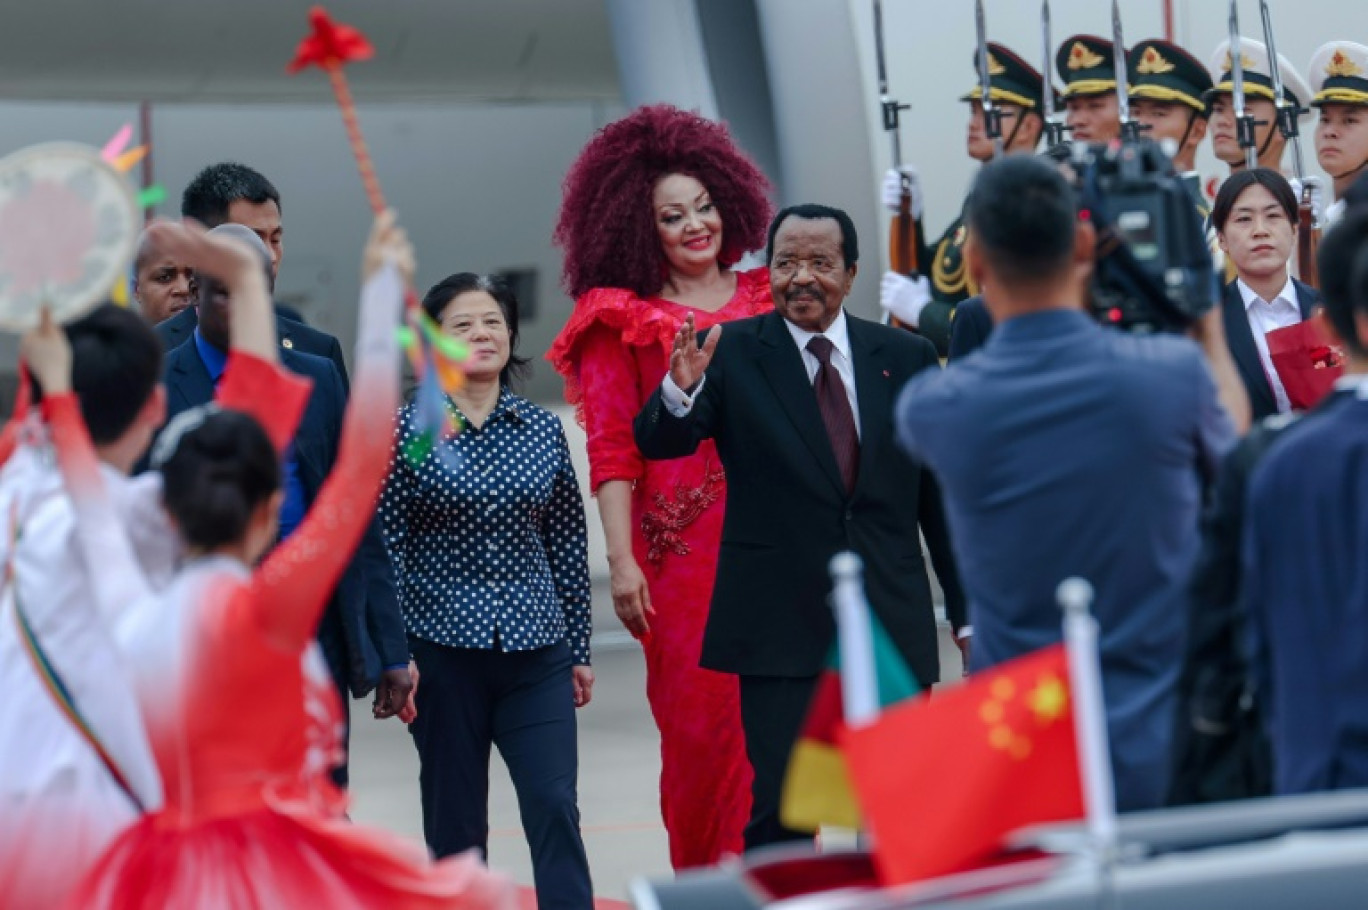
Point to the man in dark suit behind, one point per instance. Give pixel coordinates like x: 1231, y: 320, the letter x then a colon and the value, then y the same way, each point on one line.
x: 362, y: 631
x: 1304, y: 581
x: 800, y: 404
x: 230, y: 193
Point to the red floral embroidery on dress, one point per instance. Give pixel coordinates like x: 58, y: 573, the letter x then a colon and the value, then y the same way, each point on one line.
x: 661, y: 526
x: 619, y: 344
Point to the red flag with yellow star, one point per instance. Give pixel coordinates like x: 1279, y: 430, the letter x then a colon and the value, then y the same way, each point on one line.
x: 942, y: 781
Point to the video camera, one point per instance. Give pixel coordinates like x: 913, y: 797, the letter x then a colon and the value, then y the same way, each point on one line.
x: 1153, y: 268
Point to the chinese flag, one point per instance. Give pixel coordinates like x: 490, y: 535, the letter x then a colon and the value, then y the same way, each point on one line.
x: 943, y: 780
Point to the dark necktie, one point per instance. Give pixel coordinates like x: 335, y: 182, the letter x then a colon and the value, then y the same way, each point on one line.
x: 834, y: 404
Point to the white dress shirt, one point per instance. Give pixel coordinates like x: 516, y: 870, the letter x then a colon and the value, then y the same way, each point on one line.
x: 679, y: 404
x: 1266, y: 316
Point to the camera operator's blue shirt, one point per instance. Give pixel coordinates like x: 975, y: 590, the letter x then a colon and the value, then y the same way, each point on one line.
x: 1066, y: 449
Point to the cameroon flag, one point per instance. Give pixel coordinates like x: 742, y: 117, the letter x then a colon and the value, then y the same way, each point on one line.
x: 817, y: 787
x: 945, y: 780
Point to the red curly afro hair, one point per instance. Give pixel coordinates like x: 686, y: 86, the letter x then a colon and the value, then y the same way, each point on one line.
x: 607, y: 226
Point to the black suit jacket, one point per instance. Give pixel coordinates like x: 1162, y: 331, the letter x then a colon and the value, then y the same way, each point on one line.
x: 971, y: 328
x: 294, y: 336
x: 1240, y: 339
x: 787, y: 508
x: 365, y: 606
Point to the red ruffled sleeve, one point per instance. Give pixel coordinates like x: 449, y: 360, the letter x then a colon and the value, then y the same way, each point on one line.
x: 594, y: 355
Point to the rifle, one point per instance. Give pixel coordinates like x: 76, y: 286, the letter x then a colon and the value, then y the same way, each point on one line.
x: 992, y: 117
x: 902, y: 235
x: 1130, y: 128
x: 1308, y: 234
x: 1244, y: 121
x: 1054, y: 128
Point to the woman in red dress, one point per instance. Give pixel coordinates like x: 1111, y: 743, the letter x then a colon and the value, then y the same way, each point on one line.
x: 657, y: 210
x: 239, y: 707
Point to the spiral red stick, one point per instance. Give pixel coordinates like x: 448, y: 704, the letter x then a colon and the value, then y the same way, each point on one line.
x: 342, y: 92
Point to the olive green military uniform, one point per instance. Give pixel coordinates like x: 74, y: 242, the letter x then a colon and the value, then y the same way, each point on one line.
x: 1011, y: 80
x: 1160, y: 70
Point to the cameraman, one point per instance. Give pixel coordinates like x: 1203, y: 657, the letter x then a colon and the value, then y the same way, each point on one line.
x: 1065, y: 449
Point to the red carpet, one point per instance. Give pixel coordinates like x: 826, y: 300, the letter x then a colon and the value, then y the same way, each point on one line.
x: 527, y: 900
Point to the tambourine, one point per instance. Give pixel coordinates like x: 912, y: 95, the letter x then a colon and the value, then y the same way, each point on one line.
x: 68, y: 224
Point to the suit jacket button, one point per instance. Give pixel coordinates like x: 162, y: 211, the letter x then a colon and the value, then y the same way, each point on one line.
x: 849, y: 515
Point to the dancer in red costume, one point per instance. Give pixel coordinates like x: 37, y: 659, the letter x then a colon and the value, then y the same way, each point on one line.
x: 657, y: 209
x: 242, y: 717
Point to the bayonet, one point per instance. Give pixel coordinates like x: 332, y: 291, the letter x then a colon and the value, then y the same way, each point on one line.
x: 1054, y: 128
x: 903, y: 232
x: 992, y: 117
x: 1130, y: 130
x: 891, y: 108
x: 1244, y: 122
x: 1287, y: 111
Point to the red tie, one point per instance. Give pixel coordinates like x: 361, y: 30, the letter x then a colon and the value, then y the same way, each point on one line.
x: 834, y: 404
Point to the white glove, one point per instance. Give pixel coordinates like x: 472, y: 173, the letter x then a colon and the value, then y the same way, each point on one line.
x: 904, y: 297
x: 892, y: 189
x: 1317, y: 188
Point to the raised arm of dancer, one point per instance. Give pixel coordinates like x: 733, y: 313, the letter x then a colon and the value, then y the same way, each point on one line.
x: 100, y: 534
x: 254, y: 381
x: 290, y: 590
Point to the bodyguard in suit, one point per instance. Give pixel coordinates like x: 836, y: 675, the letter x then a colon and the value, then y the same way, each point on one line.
x: 1255, y: 217
x: 799, y: 402
x: 1067, y: 449
x: 230, y: 193
x: 362, y: 631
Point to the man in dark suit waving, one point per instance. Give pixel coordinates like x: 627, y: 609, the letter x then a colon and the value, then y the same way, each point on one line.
x: 800, y: 403
x: 362, y: 631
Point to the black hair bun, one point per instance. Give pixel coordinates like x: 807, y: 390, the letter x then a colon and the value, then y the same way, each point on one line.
x: 219, y: 473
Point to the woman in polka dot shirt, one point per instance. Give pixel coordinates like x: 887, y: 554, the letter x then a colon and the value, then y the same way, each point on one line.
x: 487, y: 536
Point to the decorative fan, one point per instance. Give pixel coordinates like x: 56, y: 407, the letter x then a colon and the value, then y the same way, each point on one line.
x: 69, y: 220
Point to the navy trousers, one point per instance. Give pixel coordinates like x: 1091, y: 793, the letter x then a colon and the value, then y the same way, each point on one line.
x: 522, y: 702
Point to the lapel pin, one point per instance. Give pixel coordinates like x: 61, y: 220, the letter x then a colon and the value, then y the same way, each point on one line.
x: 287, y: 343
x: 885, y: 372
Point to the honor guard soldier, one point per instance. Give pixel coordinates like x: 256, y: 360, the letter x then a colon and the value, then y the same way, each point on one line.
x: 1167, y: 86
x: 1087, y: 65
x: 1015, y: 88
x: 1258, y: 87
x: 1339, y: 79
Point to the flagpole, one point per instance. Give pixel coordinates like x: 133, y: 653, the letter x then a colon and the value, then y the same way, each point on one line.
x: 1075, y: 596
x: 855, y: 639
